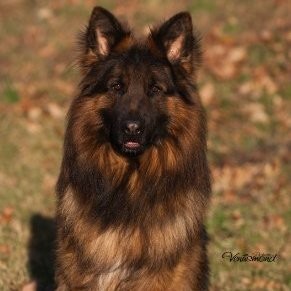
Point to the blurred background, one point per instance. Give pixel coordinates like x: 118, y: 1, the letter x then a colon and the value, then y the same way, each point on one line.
x: 245, y: 85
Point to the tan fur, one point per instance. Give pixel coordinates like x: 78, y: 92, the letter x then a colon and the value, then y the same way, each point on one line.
x: 125, y: 44
x: 111, y: 248
x: 86, y: 60
x: 174, y: 48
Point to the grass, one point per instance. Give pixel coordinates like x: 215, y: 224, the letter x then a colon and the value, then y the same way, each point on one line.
x: 260, y: 54
x: 10, y: 94
x: 250, y: 160
x: 204, y: 5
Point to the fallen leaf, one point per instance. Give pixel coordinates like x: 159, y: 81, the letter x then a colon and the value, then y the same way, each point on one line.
x: 34, y: 113
x: 207, y: 93
x: 47, y: 51
x: 264, y: 81
x: 260, y: 283
x: 44, y: 13
x: 33, y: 127
x: 67, y: 88
x: 278, y: 222
x: 237, y: 55
x: 4, y: 249
x: 237, y: 218
x: 48, y: 183
x: 266, y: 35
x: 256, y: 112
x: 225, y: 61
x: 55, y: 110
x: 32, y: 286
x: 6, y: 214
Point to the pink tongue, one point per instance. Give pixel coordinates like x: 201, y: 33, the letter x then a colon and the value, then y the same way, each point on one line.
x: 132, y: 145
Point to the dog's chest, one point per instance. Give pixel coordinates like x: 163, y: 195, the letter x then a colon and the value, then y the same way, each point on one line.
x: 110, y: 279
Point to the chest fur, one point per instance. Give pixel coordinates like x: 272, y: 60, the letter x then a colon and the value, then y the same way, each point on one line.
x: 158, y: 239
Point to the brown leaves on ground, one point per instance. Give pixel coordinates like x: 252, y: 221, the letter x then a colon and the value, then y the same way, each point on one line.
x: 32, y: 286
x: 4, y: 249
x: 224, y: 59
x: 207, y: 93
x: 6, y: 215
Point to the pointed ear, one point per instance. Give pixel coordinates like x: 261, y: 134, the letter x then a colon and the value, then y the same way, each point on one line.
x: 176, y: 40
x: 103, y: 32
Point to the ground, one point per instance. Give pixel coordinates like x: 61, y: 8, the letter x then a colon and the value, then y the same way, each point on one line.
x: 245, y: 87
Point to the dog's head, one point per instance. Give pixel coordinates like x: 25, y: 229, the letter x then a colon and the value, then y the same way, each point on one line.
x: 134, y: 93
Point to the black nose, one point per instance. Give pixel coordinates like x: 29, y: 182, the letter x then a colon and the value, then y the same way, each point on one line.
x: 132, y: 127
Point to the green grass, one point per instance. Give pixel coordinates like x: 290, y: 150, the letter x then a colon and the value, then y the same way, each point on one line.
x: 260, y: 53
x: 10, y: 94
x: 202, y: 5
x: 232, y: 28
x: 286, y: 91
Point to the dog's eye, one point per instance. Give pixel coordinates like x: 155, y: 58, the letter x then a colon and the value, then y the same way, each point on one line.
x: 117, y: 87
x: 155, y: 89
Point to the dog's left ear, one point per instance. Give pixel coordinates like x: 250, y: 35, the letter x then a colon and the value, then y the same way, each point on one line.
x: 103, y: 33
x: 175, y: 38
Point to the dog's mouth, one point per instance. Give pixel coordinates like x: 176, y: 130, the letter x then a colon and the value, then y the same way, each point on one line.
x: 132, y: 148
x: 132, y: 145
x: 128, y: 146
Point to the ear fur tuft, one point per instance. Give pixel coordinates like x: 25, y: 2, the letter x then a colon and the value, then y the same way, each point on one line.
x: 176, y: 39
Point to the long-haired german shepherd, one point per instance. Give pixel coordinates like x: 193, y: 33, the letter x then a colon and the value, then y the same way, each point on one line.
x: 134, y: 183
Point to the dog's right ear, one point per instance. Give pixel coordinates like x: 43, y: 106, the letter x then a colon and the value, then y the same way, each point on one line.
x: 176, y: 39
x: 103, y: 33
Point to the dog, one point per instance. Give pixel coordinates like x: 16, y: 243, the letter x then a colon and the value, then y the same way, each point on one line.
x: 134, y: 183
